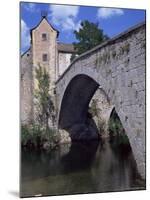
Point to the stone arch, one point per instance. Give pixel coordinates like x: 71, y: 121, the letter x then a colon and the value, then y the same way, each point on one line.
x: 84, y: 83
x: 75, y: 101
x: 76, y: 98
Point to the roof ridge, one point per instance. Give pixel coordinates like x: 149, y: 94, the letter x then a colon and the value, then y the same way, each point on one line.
x: 65, y: 47
x: 26, y: 51
x: 41, y: 22
x: 64, y: 43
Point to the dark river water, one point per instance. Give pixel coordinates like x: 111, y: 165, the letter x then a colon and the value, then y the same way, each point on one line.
x: 79, y: 168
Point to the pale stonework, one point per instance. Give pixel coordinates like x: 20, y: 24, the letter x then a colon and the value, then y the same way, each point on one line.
x: 118, y: 68
x: 56, y: 63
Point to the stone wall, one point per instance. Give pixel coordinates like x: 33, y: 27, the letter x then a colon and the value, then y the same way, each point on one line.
x: 101, y: 108
x: 26, y: 90
x: 63, y: 62
x: 118, y: 66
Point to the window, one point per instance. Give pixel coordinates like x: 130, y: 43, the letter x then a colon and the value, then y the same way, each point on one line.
x: 44, y: 36
x: 44, y: 57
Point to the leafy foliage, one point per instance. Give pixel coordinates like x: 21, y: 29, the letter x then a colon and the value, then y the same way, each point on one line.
x: 89, y: 36
x: 115, y: 126
x: 29, y: 134
x: 25, y: 135
x: 116, y: 129
x: 44, y: 101
x: 34, y: 136
x: 37, y: 134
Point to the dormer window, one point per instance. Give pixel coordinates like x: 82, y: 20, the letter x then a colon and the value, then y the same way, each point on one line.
x: 44, y: 36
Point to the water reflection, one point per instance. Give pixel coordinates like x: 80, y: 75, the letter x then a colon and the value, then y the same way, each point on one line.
x: 78, y: 168
x: 81, y: 156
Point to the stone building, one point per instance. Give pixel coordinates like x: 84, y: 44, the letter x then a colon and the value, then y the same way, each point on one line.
x: 46, y: 51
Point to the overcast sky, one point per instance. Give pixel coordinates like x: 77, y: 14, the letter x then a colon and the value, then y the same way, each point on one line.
x: 66, y: 19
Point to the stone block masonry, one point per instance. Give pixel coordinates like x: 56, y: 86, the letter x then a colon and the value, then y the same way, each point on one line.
x: 118, y: 67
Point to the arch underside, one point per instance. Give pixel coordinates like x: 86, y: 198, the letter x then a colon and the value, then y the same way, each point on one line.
x: 74, y: 116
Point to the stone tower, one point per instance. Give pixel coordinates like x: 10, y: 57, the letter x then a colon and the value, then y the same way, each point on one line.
x: 48, y: 53
x: 44, y: 49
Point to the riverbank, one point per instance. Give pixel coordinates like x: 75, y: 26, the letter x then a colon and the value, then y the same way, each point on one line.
x: 35, y: 137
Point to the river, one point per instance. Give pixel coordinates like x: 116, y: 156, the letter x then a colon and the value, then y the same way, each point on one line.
x: 78, y: 168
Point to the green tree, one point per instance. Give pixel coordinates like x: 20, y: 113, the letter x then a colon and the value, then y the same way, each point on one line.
x: 89, y: 36
x: 44, y: 101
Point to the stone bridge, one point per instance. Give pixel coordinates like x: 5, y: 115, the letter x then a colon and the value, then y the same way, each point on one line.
x: 117, y: 67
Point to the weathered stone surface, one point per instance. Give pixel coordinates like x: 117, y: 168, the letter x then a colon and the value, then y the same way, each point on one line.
x: 102, y: 110
x: 64, y: 137
x: 57, y: 61
x: 118, y: 67
x: 63, y: 62
x: 26, y: 92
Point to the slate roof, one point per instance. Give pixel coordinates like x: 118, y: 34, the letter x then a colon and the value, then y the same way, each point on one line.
x: 66, y: 48
x: 40, y: 23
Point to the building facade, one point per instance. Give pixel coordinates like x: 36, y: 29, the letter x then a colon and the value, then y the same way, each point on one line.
x: 46, y: 51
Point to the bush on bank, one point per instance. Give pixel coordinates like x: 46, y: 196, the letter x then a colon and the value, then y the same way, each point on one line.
x: 36, y: 137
